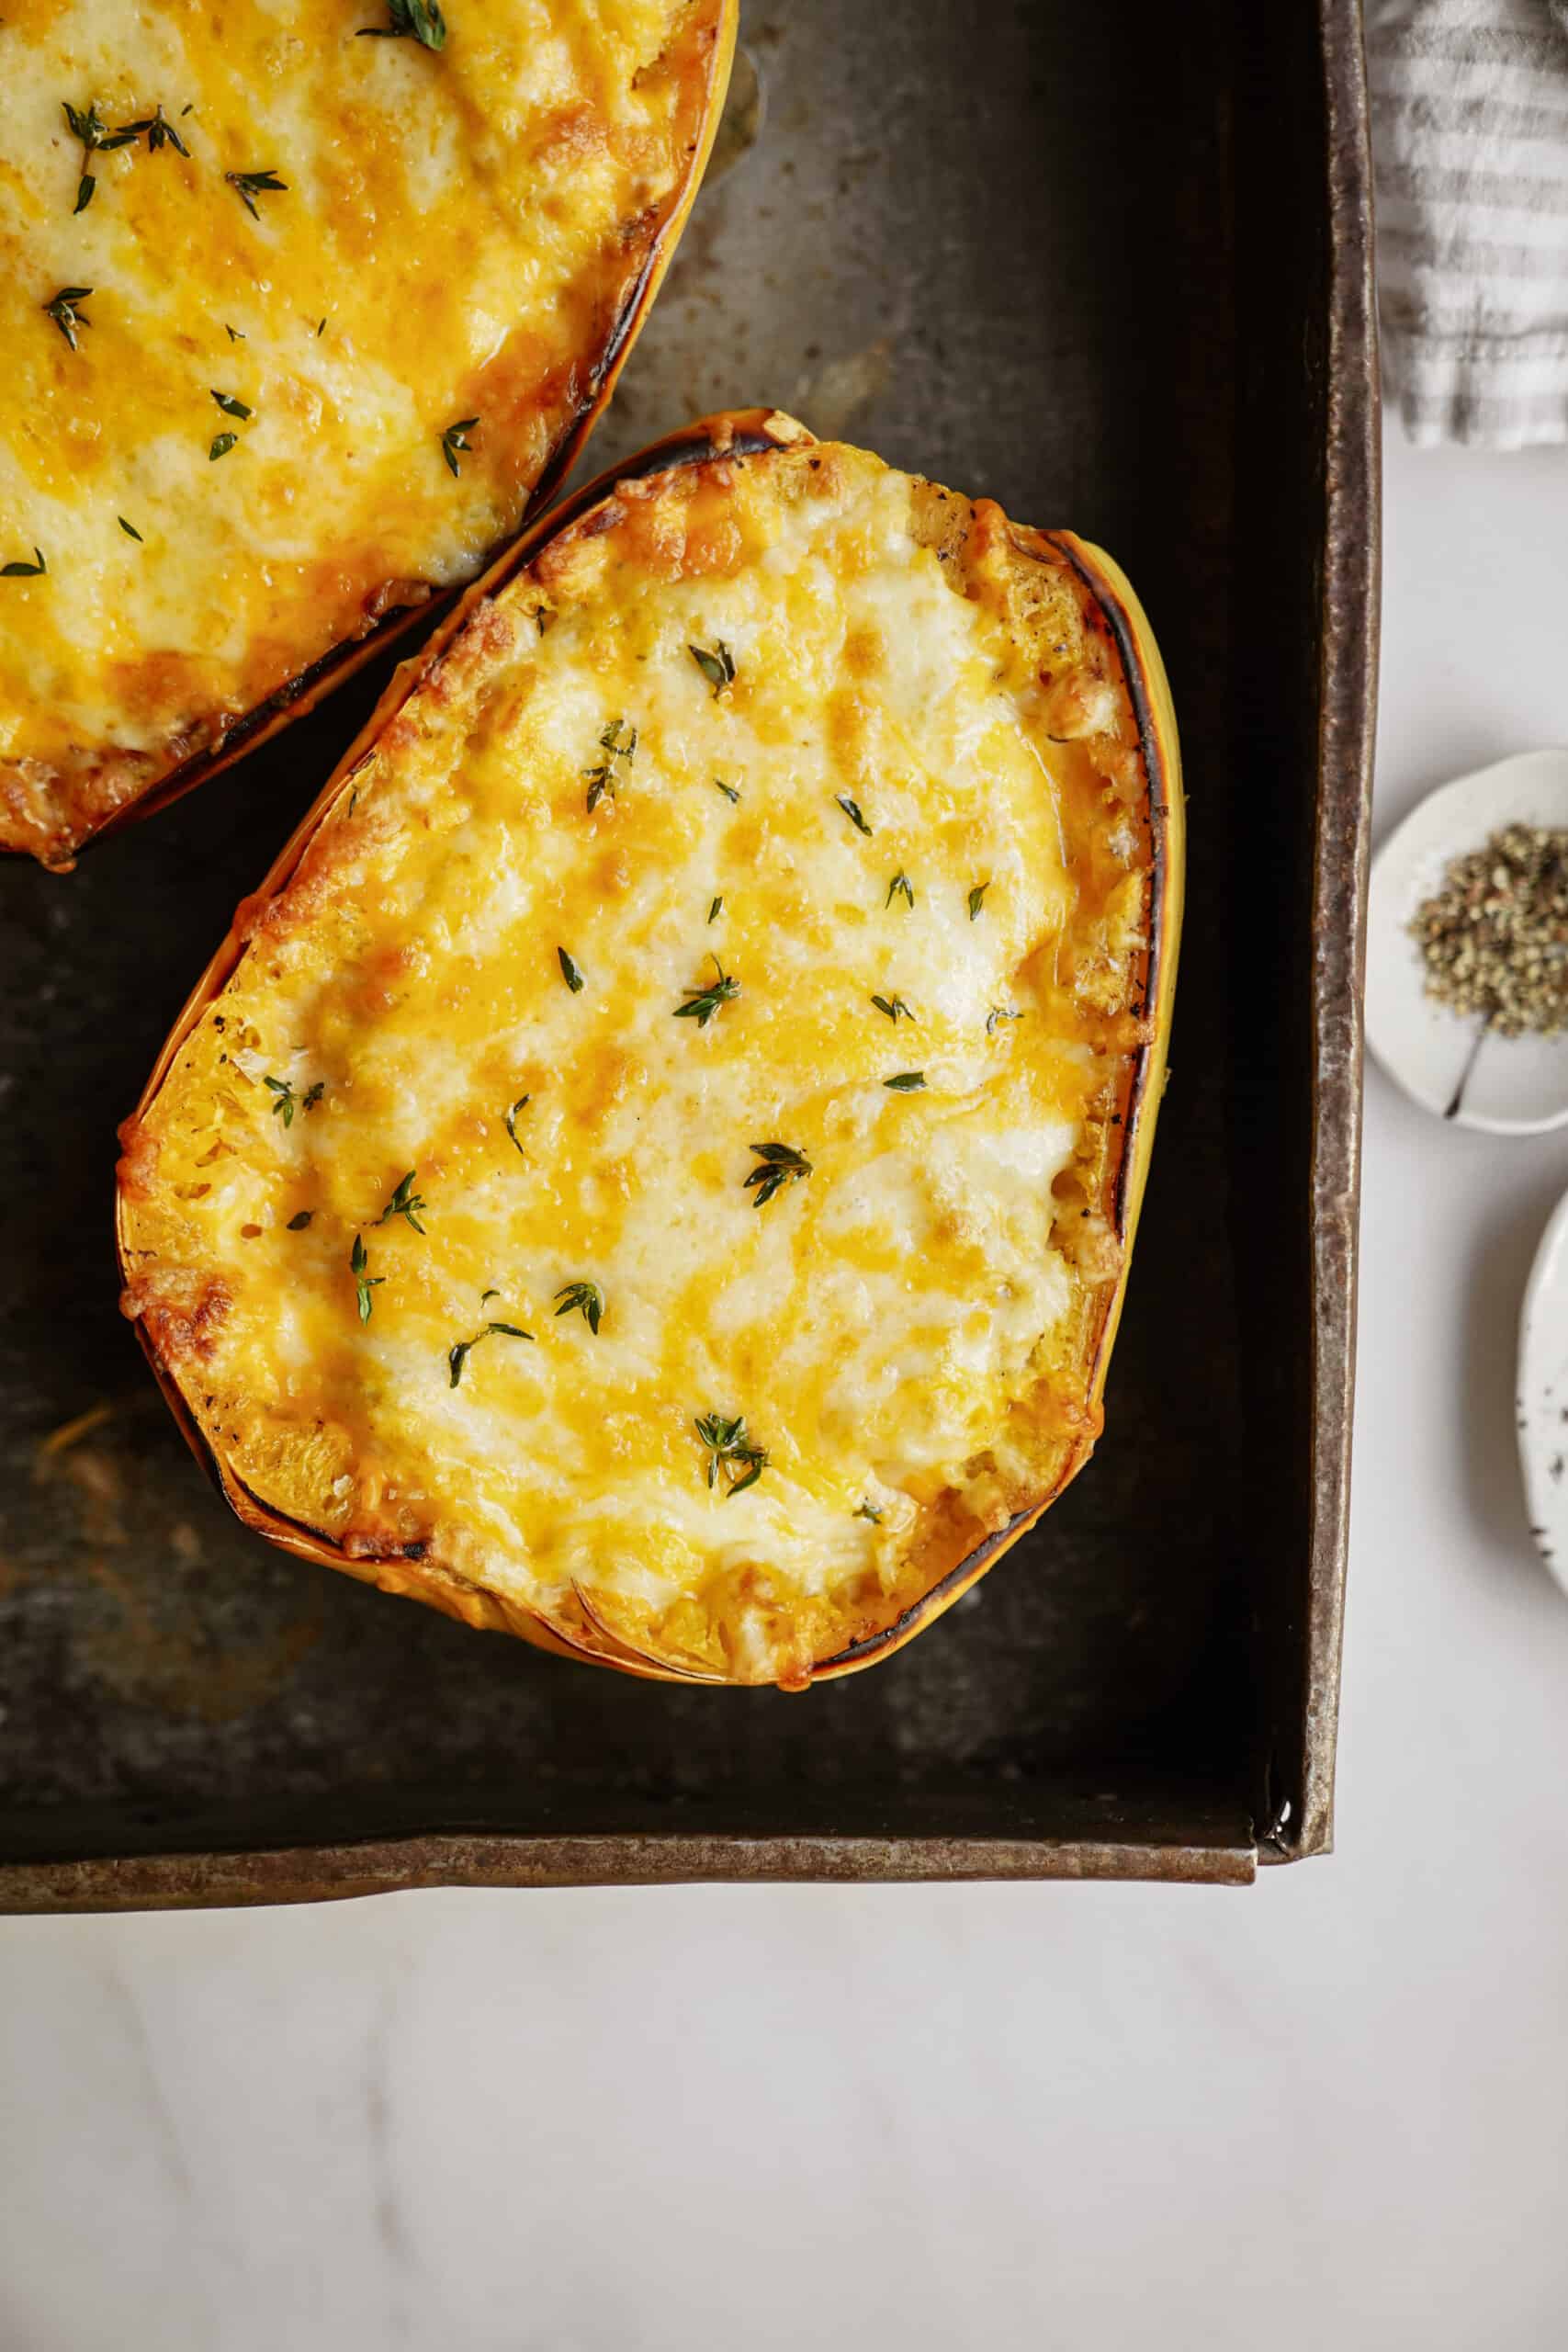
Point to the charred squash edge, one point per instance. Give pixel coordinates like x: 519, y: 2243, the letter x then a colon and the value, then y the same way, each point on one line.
x: 744, y: 431
x: 299, y: 695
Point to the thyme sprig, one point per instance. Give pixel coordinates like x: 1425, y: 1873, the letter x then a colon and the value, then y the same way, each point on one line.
x: 420, y: 19
x: 157, y: 133
x: 364, y: 1281
x: 287, y: 1101
x: 64, y: 311
x: 455, y: 437
x: 728, y: 1445
x: 779, y: 1164
x: 248, y: 186
x: 996, y: 1015
x: 405, y: 1203
x: 717, y: 667
x: 17, y: 570
x: 900, y: 888
x: 728, y: 789
x: 602, y: 779
x: 869, y: 1510
x: 456, y: 1357
x: 582, y: 1299
x: 894, y: 1007
x: 512, y: 1123
x: 703, y: 1004
x: 88, y: 125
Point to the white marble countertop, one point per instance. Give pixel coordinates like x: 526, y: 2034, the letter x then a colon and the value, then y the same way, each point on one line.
x: 1332, y: 2110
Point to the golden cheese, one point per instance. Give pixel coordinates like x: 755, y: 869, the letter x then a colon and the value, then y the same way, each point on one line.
x: 233, y: 372
x: 728, y: 969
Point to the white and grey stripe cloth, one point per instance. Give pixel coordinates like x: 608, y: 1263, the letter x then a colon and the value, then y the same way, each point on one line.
x: 1470, y: 130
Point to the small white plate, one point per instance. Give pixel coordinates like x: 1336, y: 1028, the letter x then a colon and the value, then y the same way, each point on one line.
x: 1544, y: 1394
x: 1509, y: 1086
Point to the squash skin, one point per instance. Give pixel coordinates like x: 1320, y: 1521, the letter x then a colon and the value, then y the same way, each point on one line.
x: 1122, y: 1180
x: 299, y: 695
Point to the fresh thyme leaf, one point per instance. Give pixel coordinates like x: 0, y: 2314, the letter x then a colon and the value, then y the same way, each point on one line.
x: 909, y: 1081
x: 900, y: 886
x: 703, y: 1004
x: 894, y: 1007
x: 869, y: 1510
x: 728, y: 789
x: 320, y: 329
x: 222, y: 445
x: 85, y: 188
x: 298, y: 1223
x: 488, y: 1294
x: 364, y: 1281
x: 248, y: 186
x: 571, y: 976
x: 313, y: 1094
x: 852, y: 812
x: 780, y: 1164
x: 62, y: 310
x: 128, y: 528
x: 458, y: 1357
x: 157, y: 133
x: 455, y: 437
x: 20, y: 570
x: 976, y: 898
x: 232, y: 407
x: 512, y: 1127
x: 602, y: 779
x: 422, y: 18
x: 999, y: 1013
x: 717, y: 667
x: 235, y: 335
x: 585, y: 1298
x: 729, y: 1445
x: 405, y: 1203
x: 714, y: 910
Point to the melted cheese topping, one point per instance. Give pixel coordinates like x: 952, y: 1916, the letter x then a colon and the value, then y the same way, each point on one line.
x: 910, y: 1329
x: 458, y: 236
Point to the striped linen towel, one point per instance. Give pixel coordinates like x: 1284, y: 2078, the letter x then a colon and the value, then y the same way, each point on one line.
x: 1470, y: 128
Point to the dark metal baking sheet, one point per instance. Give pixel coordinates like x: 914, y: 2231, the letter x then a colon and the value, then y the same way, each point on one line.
x: 1110, y: 266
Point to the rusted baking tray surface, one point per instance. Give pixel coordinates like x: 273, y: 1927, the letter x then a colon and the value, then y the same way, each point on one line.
x: 1121, y: 285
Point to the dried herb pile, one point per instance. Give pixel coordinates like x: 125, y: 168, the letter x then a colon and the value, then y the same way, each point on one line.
x: 1495, y: 939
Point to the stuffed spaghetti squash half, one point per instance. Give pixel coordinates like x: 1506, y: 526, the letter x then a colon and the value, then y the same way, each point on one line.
x: 304, y: 303
x: 654, y: 1168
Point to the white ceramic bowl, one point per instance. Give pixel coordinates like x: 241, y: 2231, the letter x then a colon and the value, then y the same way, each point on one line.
x: 1544, y: 1394
x: 1509, y: 1086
